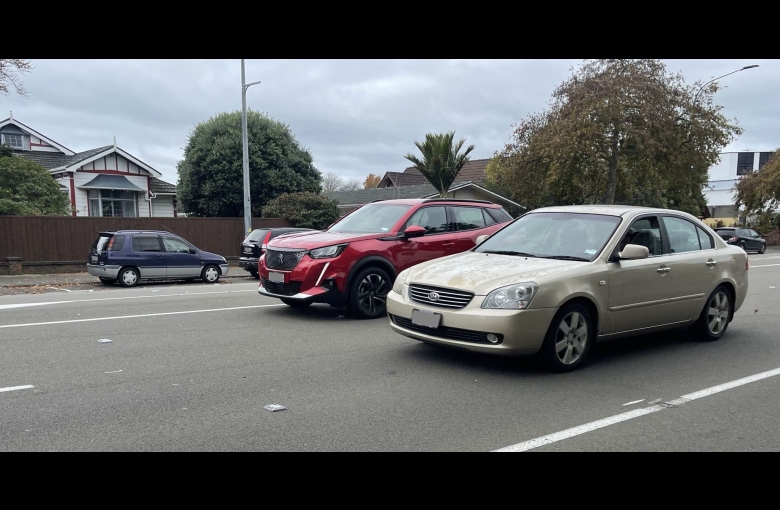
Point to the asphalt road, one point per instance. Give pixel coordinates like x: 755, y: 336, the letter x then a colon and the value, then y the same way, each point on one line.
x: 191, y: 367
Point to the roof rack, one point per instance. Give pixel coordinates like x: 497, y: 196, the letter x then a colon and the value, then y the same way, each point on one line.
x: 457, y: 200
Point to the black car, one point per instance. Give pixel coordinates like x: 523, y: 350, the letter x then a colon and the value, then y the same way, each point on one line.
x: 746, y: 238
x: 253, y: 247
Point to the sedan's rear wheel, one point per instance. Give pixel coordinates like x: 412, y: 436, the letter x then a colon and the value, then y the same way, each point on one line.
x: 569, y: 339
x: 715, y: 316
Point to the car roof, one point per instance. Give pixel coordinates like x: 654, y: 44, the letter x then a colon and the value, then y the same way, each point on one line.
x: 114, y: 232
x: 455, y: 201
x: 610, y: 210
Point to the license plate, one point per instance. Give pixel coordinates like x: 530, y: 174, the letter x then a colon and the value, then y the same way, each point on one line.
x: 273, y: 276
x: 94, y: 259
x: 427, y: 319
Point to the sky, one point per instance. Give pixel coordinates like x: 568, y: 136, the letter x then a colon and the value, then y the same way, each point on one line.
x: 355, y: 116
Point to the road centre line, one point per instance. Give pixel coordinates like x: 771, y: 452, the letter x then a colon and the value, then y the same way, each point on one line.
x: 136, y: 316
x: 595, y: 425
x: 14, y: 388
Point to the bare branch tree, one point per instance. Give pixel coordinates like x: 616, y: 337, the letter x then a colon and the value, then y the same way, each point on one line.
x: 331, y: 182
x: 10, y: 70
x: 352, y: 185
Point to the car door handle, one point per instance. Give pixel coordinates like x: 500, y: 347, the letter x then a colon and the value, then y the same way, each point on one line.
x: 711, y: 262
x: 448, y: 244
x: 663, y: 269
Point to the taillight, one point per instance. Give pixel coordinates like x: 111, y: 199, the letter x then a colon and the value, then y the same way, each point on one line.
x: 265, y: 241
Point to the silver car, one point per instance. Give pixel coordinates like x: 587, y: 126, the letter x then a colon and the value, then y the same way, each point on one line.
x: 558, y: 279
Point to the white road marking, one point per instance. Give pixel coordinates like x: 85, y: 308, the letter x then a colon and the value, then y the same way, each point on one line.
x: 56, y: 288
x: 135, y: 316
x: 764, y: 265
x: 20, y: 305
x: 589, y: 427
x: 633, y: 402
x: 14, y: 388
x: 114, y: 372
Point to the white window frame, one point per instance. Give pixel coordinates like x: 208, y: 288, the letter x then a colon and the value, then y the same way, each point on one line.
x: 5, y: 139
x: 100, y: 199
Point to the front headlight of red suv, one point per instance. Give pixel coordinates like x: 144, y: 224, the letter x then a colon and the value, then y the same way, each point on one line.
x: 328, y: 252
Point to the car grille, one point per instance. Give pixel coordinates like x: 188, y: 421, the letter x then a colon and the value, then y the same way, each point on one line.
x: 283, y: 260
x: 281, y: 289
x: 462, y: 335
x: 446, y: 298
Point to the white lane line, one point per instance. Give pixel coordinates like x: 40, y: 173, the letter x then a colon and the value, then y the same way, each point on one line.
x: 14, y: 388
x: 136, y: 316
x: 764, y: 265
x: 114, y: 372
x: 633, y: 402
x: 20, y: 305
x: 589, y: 427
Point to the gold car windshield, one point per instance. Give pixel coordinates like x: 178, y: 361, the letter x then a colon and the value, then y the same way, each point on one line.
x: 554, y: 235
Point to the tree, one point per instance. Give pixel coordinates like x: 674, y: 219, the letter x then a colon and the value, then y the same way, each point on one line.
x: 617, y: 131
x: 27, y: 189
x: 304, y: 210
x: 331, y: 182
x: 10, y: 68
x: 352, y: 185
x: 759, y: 192
x: 211, y: 181
x: 441, y: 161
x: 372, y: 181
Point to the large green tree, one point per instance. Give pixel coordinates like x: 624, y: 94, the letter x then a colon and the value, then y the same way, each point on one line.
x: 27, y: 189
x: 759, y: 192
x: 617, y: 131
x: 211, y: 175
x: 441, y: 159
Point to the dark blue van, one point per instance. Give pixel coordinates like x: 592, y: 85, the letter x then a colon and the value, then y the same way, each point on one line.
x: 128, y: 256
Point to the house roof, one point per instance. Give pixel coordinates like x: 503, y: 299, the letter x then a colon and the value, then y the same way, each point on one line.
x: 160, y: 187
x: 473, y: 170
x: 111, y: 181
x: 51, y: 160
x: 11, y: 121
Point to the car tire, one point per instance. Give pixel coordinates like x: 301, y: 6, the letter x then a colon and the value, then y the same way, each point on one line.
x: 210, y: 274
x: 107, y: 281
x: 129, y: 277
x: 368, y: 293
x: 762, y: 249
x: 294, y: 303
x: 716, y: 315
x: 742, y: 245
x: 254, y: 273
x: 563, y: 350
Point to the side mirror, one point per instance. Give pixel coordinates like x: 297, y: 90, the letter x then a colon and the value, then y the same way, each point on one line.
x: 481, y: 239
x: 193, y: 251
x: 633, y: 252
x: 414, y: 231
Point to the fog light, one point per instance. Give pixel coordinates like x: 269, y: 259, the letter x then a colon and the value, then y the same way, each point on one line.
x: 493, y: 339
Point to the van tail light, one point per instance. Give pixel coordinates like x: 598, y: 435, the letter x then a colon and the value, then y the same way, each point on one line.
x: 733, y: 240
x: 265, y: 241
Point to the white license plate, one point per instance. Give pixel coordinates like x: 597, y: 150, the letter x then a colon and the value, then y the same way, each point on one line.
x: 274, y: 276
x: 94, y: 259
x: 427, y: 319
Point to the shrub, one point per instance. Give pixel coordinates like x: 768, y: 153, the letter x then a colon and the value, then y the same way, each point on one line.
x: 303, y: 209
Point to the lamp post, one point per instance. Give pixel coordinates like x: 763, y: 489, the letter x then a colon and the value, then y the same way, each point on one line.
x: 245, y: 144
x: 695, y: 97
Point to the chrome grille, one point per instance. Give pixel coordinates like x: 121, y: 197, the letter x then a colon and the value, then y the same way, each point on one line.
x: 283, y: 260
x: 436, y: 296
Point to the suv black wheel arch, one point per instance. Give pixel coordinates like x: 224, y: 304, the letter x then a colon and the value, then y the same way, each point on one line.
x: 373, y: 260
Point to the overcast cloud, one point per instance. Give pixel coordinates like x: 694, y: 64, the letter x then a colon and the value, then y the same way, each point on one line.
x: 355, y: 116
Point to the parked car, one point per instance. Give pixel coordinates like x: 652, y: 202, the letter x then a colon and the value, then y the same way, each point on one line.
x: 253, y: 247
x: 746, y: 238
x: 129, y: 256
x: 354, y: 262
x: 558, y: 279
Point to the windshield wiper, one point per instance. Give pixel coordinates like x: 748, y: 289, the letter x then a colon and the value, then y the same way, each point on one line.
x: 566, y: 257
x: 517, y: 253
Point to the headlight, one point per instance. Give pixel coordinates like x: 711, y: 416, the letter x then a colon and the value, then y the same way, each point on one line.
x: 398, y: 285
x: 516, y: 296
x: 327, y: 252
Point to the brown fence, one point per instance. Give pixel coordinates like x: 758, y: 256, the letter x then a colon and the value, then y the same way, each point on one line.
x: 59, y: 239
x: 773, y: 237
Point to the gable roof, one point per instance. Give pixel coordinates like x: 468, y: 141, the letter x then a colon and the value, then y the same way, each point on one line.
x: 469, y: 184
x: 52, y: 160
x: 110, y: 181
x: 31, y: 131
x: 473, y: 170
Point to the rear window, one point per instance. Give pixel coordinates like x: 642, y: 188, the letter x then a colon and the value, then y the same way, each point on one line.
x: 500, y: 215
x: 101, y: 243
x: 726, y: 233
x: 256, y: 235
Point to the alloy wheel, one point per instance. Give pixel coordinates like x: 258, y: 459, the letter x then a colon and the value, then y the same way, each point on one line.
x: 571, y: 338
x: 718, y: 313
x: 372, y: 294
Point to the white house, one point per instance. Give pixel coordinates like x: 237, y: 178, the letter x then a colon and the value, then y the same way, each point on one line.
x: 105, y: 181
x: 723, y: 177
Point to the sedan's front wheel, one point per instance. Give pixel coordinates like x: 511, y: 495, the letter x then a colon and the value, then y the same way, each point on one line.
x: 569, y: 339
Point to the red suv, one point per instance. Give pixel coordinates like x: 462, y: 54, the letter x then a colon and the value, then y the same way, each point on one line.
x: 355, y: 261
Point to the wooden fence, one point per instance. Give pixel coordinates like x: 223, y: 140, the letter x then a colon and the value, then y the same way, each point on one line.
x: 41, y: 239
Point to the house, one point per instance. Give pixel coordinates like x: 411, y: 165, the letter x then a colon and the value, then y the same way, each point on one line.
x: 723, y: 176
x: 473, y: 171
x: 104, y: 181
x: 348, y: 201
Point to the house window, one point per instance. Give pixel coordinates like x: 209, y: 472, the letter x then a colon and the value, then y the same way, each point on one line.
x: 763, y: 157
x: 112, y: 203
x: 16, y: 141
x: 744, y: 163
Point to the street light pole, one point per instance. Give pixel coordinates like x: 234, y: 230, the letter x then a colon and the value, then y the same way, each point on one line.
x: 719, y: 77
x: 245, y: 146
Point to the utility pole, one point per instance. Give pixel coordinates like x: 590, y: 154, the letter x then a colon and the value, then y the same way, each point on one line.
x: 245, y: 144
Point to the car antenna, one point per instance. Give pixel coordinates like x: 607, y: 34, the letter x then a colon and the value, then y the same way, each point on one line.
x: 168, y: 229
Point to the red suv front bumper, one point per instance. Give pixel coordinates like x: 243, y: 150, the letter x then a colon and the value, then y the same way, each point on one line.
x: 304, y: 278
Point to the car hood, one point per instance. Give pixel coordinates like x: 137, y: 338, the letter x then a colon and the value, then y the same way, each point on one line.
x: 209, y: 255
x: 482, y: 273
x: 311, y: 240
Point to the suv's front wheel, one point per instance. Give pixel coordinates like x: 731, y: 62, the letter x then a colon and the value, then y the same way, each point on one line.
x: 368, y: 293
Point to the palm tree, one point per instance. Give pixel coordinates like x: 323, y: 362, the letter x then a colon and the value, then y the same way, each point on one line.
x: 441, y: 162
